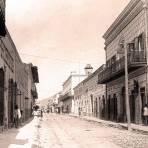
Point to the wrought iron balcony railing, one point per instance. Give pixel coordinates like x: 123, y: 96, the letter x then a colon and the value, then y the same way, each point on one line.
x: 66, y: 96
x: 135, y: 59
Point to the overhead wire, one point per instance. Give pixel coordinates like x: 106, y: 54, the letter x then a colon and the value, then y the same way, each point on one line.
x: 56, y: 59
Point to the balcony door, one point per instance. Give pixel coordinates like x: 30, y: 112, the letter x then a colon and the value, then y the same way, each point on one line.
x: 113, y: 61
x: 139, y: 52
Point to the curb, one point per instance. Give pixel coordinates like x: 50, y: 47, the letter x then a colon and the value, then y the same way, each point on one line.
x: 114, y: 125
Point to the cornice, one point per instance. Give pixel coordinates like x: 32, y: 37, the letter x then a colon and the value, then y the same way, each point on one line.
x: 126, y: 16
x: 145, y: 2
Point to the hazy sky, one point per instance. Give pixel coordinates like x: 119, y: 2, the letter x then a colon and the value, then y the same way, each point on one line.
x: 56, y: 34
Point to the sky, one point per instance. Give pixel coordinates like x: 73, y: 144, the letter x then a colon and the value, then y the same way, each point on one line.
x: 60, y: 36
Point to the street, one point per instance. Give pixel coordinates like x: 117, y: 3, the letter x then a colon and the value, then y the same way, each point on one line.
x: 62, y: 131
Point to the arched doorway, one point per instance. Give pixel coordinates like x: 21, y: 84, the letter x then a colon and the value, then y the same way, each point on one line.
x: 122, y: 117
x: 10, y: 102
x: 143, y: 102
x: 1, y: 96
x: 109, y: 107
x: 115, y: 111
x: 132, y: 106
x: 92, y: 106
x: 103, y: 107
x: 96, y: 107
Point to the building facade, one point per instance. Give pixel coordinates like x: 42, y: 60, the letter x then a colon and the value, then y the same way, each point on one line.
x: 128, y: 32
x: 66, y: 101
x: 53, y: 103
x: 13, y: 76
x: 7, y: 72
x: 89, y: 97
x: 32, y: 94
x: 15, y: 81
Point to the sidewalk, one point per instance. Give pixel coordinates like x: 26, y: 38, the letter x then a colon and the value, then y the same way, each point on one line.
x: 16, y: 137
x: 135, y: 127
x: 3, y: 130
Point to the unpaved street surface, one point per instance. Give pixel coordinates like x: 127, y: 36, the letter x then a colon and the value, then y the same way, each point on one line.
x: 62, y: 131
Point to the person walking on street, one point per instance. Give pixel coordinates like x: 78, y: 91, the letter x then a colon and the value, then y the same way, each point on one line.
x: 145, y: 114
x: 17, y: 116
x: 79, y: 110
x: 41, y: 113
x: 36, y: 116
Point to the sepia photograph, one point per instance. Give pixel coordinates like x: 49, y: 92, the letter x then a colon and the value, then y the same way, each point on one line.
x: 73, y: 73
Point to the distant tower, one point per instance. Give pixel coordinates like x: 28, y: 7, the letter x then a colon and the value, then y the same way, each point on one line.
x: 88, y: 69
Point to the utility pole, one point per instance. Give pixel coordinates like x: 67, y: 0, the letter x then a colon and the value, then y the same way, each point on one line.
x: 126, y: 90
x: 123, y: 49
x: 146, y: 45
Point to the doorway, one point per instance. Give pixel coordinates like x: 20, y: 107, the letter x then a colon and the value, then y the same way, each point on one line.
x: 1, y: 96
x: 115, y: 107
x: 10, y: 102
x: 143, y: 101
x: 132, y: 106
x: 96, y: 107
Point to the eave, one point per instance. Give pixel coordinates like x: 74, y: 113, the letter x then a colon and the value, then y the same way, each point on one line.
x: 127, y: 15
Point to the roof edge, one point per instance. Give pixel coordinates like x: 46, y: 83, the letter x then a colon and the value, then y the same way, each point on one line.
x: 123, y: 14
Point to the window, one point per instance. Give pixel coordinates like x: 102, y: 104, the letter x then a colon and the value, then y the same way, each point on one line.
x: 139, y: 42
x: 113, y: 59
x: 131, y: 46
x: 108, y: 63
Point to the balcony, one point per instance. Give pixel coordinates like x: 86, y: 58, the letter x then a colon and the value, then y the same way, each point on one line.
x: 2, y: 21
x: 35, y: 74
x: 136, y: 59
x: 66, y: 96
x: 34, y: 94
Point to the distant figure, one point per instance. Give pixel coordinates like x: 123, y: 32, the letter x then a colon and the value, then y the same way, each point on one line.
x: 17, y: 116
x: 79, y: 109
x: 21, y: 112
x: 36, y: 117
x: 145, y: 114
x: 21, y: 119
x: 35, y: 112
x: 41, y: 113
x: 47, y: 111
